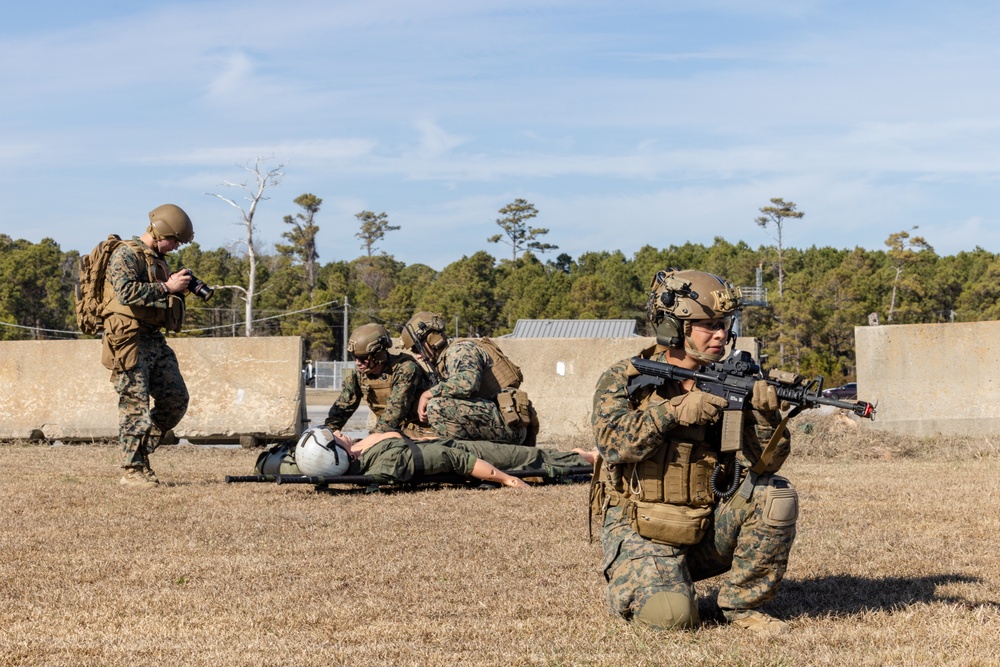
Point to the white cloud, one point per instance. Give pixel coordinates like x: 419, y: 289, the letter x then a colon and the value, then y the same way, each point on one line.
x: 435, y: 112
x: 234, y: 78
x: 306, y: 153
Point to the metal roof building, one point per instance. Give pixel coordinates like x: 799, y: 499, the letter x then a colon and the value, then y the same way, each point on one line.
x: 574, y: 329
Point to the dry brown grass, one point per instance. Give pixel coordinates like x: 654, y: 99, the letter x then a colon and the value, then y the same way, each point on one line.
x: 896, y: 564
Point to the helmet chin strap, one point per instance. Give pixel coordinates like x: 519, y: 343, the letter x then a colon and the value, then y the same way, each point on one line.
x: 703, y: 358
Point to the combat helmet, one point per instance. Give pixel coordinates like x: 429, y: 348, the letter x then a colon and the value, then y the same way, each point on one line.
x: 370, y: 339
x: 169, y: 221
x: 678, y: 297
x: 318, y: 453
x: 427, y: 328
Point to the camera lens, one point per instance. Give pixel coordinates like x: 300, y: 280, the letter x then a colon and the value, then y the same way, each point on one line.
x: 200, y: 289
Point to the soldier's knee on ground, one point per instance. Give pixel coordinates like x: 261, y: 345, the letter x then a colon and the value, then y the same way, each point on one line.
x: 668, y: 610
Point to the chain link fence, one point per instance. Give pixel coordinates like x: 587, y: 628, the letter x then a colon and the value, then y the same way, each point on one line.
x: 327, y: 374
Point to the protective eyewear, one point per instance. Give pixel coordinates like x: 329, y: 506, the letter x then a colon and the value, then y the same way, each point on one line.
x: 721, y: 324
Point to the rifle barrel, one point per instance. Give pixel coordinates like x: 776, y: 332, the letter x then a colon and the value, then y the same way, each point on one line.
x: 794, y: 394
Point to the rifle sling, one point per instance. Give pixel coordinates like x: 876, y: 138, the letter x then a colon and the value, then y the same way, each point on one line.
x: 771, y: 446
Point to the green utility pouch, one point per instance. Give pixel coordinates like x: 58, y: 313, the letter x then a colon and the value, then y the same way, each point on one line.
x: 515, y: 407
x: 672, y: 525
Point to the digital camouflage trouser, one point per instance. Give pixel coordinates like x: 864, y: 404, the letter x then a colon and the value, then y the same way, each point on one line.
x: 749, y: 540
x: 156, y: 376
x: 472, y: 419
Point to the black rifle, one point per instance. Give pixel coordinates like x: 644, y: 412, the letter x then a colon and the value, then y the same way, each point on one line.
x: 428, y: 361
x: 734, y: 377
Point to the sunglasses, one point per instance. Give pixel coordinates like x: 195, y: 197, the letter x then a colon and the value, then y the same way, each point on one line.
x: 722, y: 324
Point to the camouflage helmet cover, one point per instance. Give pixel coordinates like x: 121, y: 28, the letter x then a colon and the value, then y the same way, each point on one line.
x: 687, y: 295
x: 169, y: 221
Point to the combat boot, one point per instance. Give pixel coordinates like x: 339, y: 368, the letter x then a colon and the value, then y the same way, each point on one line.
x: 756, y: 621
x: 137, y: 478
x: 148, y: 473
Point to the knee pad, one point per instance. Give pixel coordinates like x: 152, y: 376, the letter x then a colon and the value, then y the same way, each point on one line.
x: 781, y: 504
x: 667, y: 610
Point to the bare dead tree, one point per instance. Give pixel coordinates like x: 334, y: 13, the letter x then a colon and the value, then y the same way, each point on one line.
x: 259, y: 180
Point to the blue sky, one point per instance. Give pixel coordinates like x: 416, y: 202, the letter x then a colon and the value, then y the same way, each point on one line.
x: 626, y: 124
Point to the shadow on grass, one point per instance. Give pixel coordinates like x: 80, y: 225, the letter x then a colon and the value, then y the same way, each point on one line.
x: 847, y: 595
x: 844, y: 596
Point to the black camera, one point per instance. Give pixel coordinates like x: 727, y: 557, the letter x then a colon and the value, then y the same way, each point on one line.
x: 199, y: 288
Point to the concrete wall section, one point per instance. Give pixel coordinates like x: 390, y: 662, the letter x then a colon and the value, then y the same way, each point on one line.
x: 239, y: 386
x: 560, y: 375
x: 931, y: 378
x: 927, y: 379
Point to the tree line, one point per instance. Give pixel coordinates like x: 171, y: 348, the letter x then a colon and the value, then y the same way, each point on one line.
x: 815, y: 296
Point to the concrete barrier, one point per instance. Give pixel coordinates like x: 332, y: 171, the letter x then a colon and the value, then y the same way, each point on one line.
x: 927, y: 379
x: 931, y: 378
x: 560, y: 375
x: 58, y: 390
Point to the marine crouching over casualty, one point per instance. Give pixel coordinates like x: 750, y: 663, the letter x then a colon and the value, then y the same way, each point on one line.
x: 681, y: 500
x: 476, y: 394
x: 140, y: 298
x: 390, y: 383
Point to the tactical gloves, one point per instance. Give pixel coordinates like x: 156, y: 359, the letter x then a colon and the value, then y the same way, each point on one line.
x: 765, y: 398
x: 765, y: 403
x: 697, y: 407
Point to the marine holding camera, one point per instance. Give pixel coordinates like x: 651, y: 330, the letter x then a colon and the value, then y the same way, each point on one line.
x: 141, y: 298
x: 199, y: 288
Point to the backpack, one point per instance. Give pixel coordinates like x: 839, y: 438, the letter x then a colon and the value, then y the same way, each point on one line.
x: 90, y: 291
x: 503, y: 374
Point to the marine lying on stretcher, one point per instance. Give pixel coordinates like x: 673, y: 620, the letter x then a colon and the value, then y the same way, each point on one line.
x: 391, y: 458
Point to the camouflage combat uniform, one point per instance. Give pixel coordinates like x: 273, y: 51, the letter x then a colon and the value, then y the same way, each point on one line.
x: 153, y: 371
x: 748, y: 536
x: 457, y: 408
x: 392, y: 459
x: 397, y: 411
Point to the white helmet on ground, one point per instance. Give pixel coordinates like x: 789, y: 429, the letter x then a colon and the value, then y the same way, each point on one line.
x: 318, y: 455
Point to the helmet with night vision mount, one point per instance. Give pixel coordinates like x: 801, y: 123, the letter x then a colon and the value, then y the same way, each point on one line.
x: 677, y: 298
